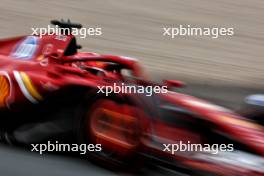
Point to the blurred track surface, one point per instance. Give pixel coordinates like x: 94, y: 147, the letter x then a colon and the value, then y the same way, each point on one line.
x: 15, y: 162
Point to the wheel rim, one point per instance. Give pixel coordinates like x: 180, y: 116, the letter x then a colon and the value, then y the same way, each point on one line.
x: 115, y: 126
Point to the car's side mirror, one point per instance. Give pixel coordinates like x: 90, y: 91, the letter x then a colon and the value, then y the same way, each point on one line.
x: 174, y: 83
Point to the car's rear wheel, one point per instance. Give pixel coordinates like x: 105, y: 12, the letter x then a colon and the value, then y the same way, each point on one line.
x: 113, y: 124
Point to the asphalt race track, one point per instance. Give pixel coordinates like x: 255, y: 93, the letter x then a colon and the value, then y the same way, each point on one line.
x: 222, y: 70
x: 19, y: 162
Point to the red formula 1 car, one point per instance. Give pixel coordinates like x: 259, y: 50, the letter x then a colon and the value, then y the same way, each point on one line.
x: 50, y: 91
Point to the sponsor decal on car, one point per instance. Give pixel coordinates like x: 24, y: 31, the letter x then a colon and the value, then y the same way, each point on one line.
x: 47, y: 49
x: 26, y: 49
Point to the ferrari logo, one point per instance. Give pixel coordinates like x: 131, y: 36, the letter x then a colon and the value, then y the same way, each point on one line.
x: 4, y: 90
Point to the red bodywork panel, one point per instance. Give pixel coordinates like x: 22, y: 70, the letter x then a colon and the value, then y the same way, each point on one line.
x: 40, y: 66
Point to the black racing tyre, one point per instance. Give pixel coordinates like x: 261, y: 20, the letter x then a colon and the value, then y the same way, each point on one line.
x: 113, y: 124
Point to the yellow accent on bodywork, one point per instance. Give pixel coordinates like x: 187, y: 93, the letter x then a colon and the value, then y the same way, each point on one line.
x: 30, y: 87
x: 4, y: 90
x: 241, y: 122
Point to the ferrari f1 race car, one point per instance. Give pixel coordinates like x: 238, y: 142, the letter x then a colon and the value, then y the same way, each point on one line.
x: 49, y: 91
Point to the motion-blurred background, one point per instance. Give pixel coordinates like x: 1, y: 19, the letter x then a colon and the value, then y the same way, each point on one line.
x: 223, y: 70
